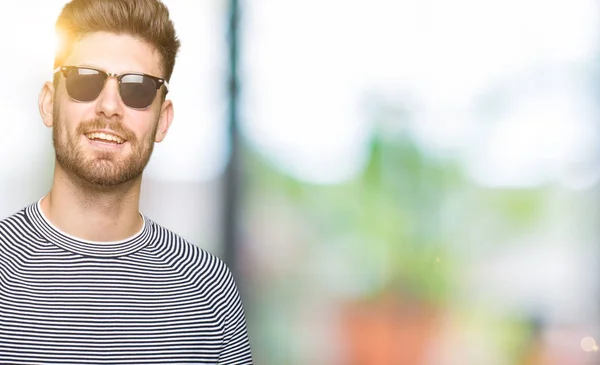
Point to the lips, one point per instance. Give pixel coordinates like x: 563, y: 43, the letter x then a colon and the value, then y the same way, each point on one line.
x: 105, y: 137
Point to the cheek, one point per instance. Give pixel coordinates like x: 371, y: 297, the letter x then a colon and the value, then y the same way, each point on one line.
x: 145, y: 127
x: 68, y: 115
x: 67, y: 125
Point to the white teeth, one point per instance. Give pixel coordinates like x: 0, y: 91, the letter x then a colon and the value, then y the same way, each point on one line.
x: 104, y: 137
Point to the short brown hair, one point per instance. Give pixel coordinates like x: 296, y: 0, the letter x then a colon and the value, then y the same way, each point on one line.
x: 147, y: 20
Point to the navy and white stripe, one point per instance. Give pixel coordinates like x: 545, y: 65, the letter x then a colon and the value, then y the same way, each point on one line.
x: 151, y: 299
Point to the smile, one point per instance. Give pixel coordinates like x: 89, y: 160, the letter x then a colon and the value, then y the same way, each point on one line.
x: 104, y: 137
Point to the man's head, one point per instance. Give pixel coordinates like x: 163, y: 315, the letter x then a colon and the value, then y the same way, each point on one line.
x: 104, y: 124
x: 146, y: 20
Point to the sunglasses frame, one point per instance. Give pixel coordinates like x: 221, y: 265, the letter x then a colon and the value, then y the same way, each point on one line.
x: 157, y: 80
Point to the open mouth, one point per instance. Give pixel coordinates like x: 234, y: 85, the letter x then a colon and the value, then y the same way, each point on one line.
x: 105, y: 138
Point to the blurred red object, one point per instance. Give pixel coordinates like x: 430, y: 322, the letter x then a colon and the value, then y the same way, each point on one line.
x: 387, y: 331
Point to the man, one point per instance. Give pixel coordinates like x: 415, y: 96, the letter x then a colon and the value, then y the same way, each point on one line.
x: 84, y: 277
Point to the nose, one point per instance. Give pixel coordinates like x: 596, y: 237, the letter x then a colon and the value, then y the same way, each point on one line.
x: 109, y: 103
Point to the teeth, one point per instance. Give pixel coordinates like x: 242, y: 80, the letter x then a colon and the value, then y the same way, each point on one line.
x: 105, y: 137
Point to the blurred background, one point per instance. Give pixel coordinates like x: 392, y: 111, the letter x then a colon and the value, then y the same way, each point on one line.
x: 392, y: 182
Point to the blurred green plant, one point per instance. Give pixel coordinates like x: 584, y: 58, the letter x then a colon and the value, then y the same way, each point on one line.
x: 398, y: 223
x: 389, y: 212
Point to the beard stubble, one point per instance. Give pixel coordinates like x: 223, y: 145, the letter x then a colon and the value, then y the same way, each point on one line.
x: 103, y: 169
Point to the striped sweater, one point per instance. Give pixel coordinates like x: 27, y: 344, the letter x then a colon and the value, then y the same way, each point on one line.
x: 151, y: 299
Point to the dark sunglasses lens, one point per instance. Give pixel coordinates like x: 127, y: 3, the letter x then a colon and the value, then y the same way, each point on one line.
x: 137, y: 91
x: 85, y: 84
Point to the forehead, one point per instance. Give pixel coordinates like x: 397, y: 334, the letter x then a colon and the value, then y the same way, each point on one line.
x: 116, y: 53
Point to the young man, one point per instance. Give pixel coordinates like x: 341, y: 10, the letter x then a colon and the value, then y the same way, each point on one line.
x: 84, y: 277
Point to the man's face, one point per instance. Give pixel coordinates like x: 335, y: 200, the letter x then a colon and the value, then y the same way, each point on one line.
x: 84, y: 133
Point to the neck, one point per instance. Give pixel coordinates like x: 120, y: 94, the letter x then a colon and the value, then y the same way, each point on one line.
x: 93, y: 213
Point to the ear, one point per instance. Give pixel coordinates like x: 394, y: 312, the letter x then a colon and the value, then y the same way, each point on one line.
x: 46, y: 103
x: 165, y: 120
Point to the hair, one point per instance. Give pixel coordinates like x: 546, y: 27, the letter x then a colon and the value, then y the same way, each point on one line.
x: 147, y: 20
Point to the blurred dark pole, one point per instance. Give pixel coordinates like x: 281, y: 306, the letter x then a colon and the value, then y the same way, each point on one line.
x: 232, y: 179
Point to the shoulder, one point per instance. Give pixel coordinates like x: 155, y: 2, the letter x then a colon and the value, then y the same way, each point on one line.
x: 16, y: 232
x: 197, y: 263
x: 15, y: 216
x: 15, y: 225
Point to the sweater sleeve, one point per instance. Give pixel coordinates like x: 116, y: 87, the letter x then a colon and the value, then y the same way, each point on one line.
x: 236, y: 345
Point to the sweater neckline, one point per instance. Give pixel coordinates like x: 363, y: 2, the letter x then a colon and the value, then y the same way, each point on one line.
x: 86, y: 247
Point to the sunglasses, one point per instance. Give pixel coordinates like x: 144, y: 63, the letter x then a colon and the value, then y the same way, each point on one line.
x: 137, y: 90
